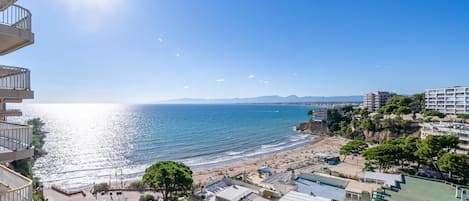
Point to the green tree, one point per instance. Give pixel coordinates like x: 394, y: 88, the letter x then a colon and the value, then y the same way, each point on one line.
x: 172, y: 179
x: 38, y: 136
x: 433, y: 147
x: 418, y: 102
x: 353, y: 147
x: 454, y: 164
x: 384, y: 154
x: 333, y: 119
x: 433, y: 113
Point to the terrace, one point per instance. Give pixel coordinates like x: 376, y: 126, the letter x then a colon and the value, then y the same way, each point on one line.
x: 15, y: 142
x: 13, y: 186
x: 15, y: 27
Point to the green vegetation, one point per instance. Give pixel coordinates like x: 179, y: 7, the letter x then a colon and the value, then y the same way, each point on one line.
x: 433, y: 113
x: 38, y: 136
x: 400, y: 105
x: 37, y: 197
x: 384, y: 154
x: 353, y: 147
x: 172, y: 179
x: 438, y: 152
x: 463, y: 116
x: 102, y: 187
x: 136, y: 185
x: 357, y: 124
x: 147, y: 198
x: 24, y: 166
x: 454, y: 163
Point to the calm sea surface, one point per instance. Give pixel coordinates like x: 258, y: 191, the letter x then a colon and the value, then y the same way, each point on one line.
x: 90, y: 143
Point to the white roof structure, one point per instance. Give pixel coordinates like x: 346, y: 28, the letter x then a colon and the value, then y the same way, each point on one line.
x: 233, y: 193
x: 387, y: 179
x: 296, y: 196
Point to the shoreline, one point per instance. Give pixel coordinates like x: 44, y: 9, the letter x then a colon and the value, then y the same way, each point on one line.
x: 205, y: 176
x: 208, y: 165
x: 301, y: 159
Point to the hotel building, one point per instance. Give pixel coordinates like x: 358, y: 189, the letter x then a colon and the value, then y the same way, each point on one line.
x: 375, y: 100
x: 453, y: 100
x: 15, y: 139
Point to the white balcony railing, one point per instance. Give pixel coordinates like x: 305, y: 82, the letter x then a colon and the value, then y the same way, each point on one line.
x: 15, y: 78
x: 16, y: 16
x: 15, y: 137
x: 15, y: 187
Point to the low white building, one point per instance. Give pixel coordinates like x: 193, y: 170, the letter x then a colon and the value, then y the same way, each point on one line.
x: 233, y: 193
x: 297, y: 196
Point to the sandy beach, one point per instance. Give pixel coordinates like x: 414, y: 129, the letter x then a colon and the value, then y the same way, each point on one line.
x: 302, y: 159
x: 299, y: 159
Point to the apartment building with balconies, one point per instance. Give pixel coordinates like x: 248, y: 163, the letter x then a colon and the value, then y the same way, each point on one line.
x: 460, y: 130
x: 375, y: 100
x: 452, y: 100
x: 15, y: 139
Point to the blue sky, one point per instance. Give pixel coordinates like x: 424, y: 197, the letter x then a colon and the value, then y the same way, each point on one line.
x: 142, y: 51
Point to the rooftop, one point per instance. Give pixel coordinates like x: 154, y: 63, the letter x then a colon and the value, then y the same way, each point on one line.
x: 320, y: 189
x: 296, y: 196
x: 387, y: 179
x: 324, y: 178
x: 254, y: 197
x: 234, y: 192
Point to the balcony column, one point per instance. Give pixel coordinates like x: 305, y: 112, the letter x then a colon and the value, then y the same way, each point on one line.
x: 3, y: 107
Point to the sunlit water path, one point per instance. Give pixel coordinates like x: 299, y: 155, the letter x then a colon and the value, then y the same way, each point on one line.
x: 90, y: 143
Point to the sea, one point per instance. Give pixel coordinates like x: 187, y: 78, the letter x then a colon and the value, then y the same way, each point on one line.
x: 93, y: 143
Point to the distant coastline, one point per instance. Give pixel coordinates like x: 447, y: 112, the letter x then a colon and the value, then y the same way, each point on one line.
x: 268, y: 100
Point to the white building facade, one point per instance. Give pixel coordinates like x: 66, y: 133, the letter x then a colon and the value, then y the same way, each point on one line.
x: 452, y: 100
x: 375, y: 100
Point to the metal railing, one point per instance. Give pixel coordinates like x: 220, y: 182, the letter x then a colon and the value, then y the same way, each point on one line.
x: 16, y: 16
x: 15, y: 137
x: 19, y: 187
x: 18, y: 78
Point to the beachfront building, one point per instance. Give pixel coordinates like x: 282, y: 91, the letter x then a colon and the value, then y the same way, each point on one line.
x: 15, y: 139
x: 320, y: 114
x: 460, y: 130
x: 452, y: 100
x: 375, y: 100
x: 334, y: 188
x: 297, y: 196
x: 228, y: 189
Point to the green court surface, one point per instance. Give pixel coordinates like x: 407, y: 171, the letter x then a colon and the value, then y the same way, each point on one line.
x: 416, y: 189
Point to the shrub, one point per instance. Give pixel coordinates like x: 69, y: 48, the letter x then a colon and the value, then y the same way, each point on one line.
x: 147, y: 198
x: 101, y: 187
x: 433, y: 113
x: 136, y: 185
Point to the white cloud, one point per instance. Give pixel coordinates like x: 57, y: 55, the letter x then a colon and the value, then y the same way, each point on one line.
x: 220, y: 80
x: 264, y: 81
x: 251, y: 76
x: 178, y: 54
x: 160, y: 39
x: 186, y: 87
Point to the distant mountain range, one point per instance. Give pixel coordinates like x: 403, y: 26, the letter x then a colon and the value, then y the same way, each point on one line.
x: 268, y: 99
